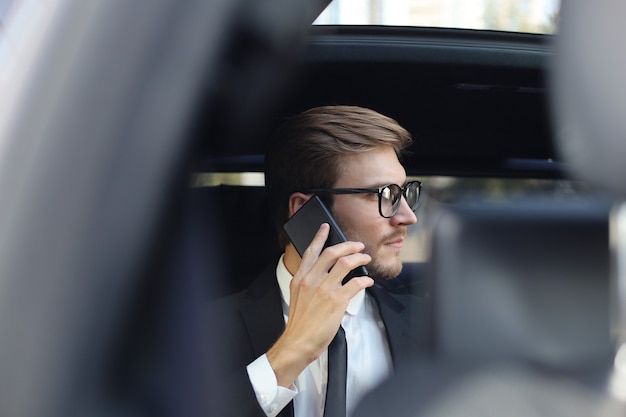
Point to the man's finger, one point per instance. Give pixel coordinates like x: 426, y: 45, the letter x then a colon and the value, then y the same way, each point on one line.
x: 312, y: 252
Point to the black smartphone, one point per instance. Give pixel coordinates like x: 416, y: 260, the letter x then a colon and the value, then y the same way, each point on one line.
x: 304, y: 224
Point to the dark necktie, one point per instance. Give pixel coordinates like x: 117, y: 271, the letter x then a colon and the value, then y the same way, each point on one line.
x: 337, y: 370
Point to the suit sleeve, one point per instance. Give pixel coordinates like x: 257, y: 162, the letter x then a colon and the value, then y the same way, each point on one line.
x: 237, y: 396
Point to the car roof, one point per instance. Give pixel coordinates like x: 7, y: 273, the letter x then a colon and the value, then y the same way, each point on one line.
x: 475, y: 101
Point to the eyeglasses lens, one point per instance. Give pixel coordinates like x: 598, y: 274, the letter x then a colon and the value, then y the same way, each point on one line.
x: 412, y: 194
x: 390, y: 197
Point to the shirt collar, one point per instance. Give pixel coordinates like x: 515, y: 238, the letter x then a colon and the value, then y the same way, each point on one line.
x: 284, y: 278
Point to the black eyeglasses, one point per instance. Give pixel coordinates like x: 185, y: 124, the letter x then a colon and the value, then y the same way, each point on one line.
x: 389, y: 196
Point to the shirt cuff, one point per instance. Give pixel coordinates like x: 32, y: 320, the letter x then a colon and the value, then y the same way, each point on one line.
x: 271, y: 397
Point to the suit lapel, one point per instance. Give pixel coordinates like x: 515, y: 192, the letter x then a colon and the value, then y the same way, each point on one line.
x: 262, y: 312
x: 407, y: 322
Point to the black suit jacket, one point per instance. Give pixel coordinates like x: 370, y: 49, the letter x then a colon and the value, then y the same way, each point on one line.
x: 248, y: 324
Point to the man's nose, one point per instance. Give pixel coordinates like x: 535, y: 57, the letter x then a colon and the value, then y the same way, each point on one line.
x: 404, y: 216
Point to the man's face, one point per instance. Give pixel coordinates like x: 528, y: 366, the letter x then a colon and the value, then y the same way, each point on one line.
x: 358, y: 216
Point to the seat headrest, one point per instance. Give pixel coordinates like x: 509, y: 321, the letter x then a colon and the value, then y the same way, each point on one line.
x: 589, y: 79
x: 523, y: 281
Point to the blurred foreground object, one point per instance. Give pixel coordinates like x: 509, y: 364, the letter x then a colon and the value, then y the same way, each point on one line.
x: 589, y: 79
x: 101, y: 286
x: 590, y: 124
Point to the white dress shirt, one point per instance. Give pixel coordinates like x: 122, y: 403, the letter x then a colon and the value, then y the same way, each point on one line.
x: 369, y: 361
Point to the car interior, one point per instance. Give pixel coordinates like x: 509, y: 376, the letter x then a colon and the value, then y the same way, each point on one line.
x: 525, y: 279
x: 517, y: 244
x: 476, y: 108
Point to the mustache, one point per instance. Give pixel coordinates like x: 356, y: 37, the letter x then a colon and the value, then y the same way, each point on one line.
x: 392, y: 237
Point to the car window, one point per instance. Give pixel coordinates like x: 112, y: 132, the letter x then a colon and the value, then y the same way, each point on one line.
x: 437, y: 191
x: 532, y: 16
x: 450, y: 190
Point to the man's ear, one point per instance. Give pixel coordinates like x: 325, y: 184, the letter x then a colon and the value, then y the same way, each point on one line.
x: 297, y: 200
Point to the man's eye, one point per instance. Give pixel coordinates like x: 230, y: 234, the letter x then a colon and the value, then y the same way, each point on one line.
x: 372, y: 196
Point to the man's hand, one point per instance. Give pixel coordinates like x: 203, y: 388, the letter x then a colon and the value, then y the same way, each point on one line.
x: 318, y: 302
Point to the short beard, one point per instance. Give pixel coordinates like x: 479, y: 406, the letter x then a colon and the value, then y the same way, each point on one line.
x: 384, y: 270
x: 377, y: 270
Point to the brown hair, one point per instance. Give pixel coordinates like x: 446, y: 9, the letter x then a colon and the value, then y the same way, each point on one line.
x: 307, y: 150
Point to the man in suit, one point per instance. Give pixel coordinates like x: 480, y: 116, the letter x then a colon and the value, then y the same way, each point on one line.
x: 276, y: 332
